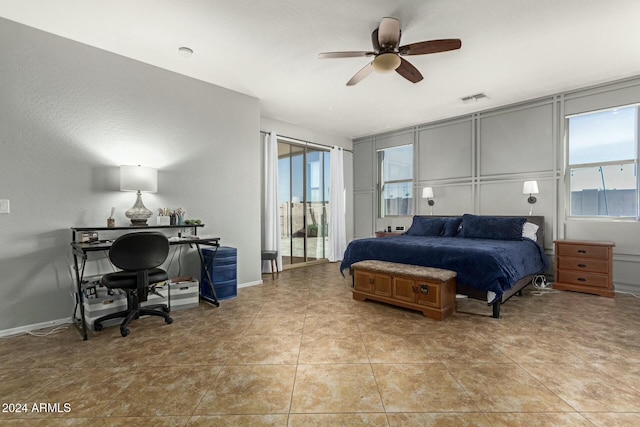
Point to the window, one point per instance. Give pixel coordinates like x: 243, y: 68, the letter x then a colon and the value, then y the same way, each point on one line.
x: 395, y: 184
x: 603, y: 163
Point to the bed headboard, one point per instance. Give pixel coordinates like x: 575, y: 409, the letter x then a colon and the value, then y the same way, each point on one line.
x: 537, y: 220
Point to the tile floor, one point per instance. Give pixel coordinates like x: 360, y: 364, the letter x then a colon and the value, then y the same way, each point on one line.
x: 299, y: 351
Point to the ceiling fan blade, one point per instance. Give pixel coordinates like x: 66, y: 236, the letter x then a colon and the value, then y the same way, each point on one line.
x: 431, y: 46
x: 374, y: 41
x: 408, y: 71
x: 360, y: 75
x: 389, y: 33
x: 348, y: 54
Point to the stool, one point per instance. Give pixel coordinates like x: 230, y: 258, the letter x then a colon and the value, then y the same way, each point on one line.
x: 273, y: 257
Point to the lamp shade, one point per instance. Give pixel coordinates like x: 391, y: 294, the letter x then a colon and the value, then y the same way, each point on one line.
x: 530, y: 187
x: 427, y: 192
x: 138, y: 178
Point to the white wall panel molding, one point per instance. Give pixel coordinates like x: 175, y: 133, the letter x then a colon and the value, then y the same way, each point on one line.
x: 518, y: 140
x: 515, y: 107
x: 626, y: 270
x: 602, y: 97
x: 507, y: 146
x: 394, y: 140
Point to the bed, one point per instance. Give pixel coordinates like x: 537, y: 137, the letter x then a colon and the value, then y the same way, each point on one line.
x: 494, y: 257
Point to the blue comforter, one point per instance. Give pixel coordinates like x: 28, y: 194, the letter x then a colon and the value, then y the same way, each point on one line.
x: 490, y: 265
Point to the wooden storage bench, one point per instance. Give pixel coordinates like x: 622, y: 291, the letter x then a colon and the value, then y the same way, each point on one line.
x: 426, y: 289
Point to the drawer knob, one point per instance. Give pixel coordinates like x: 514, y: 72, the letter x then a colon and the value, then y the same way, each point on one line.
x: 581, y: 279
x: 582, y: 251
x: 581, y: 265
x: 424, y: 290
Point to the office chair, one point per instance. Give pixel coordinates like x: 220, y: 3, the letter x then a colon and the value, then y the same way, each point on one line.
x: 138, y: 255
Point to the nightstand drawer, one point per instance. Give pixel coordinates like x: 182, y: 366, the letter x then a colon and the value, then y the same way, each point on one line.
x: 584, y: 264
x: 583, y: 279
x: 587, y: 251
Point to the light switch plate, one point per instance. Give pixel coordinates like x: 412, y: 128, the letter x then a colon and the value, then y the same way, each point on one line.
x: 4, y: 206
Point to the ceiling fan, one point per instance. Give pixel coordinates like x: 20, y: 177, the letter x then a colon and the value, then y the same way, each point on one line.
x: 388, y: 54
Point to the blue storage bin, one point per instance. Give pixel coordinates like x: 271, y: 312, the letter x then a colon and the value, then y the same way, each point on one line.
x: 226, y: 290
x: 223, y: 268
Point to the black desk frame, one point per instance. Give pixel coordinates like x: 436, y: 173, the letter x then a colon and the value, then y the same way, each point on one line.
x: 81, y: 250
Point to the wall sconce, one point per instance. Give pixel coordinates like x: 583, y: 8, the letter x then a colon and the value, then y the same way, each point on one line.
x: 427, y: 193
x: 138, y: 178
x: 530, y: 187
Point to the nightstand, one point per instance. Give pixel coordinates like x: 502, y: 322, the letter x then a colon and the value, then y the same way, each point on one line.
x: 584, y: 266
x: 388, y: 233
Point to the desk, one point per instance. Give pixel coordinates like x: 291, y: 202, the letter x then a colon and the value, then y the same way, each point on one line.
x: 81, y: 250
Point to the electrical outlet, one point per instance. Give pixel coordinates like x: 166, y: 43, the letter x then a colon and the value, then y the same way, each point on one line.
x: 4, y: 206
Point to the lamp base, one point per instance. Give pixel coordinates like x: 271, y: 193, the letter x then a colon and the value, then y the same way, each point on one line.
x: 139, y: 222
x: 139, y: 214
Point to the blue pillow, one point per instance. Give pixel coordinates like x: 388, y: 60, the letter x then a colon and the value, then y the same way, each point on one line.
x: 492, y: 227
x: 422, y: 226
x: 451, y: 226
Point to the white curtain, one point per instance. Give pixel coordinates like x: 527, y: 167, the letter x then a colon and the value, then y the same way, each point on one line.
x: 337, y: 220
x: 271, y: 200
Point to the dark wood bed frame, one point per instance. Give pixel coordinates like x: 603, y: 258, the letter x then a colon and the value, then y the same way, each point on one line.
x: 519, y: 285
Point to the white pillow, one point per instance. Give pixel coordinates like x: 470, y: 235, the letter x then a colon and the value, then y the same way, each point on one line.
x: 529, y: 231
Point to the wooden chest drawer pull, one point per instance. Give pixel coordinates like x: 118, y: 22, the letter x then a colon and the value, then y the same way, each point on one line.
x: 582, y: 279
x: 423, y: 289
x: 581, y: 265
x: 582, y: 251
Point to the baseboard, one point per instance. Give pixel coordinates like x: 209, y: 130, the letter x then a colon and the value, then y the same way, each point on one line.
x: 247, y: 284
x: 35, y: 327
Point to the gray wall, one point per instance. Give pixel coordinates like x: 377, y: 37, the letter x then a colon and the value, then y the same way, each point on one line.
x: 477, y: 164
x: 69, y: 116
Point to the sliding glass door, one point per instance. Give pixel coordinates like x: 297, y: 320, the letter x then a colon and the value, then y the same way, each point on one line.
x: 304, y: 191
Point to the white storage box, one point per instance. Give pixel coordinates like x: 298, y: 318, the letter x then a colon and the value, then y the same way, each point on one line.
x: 97, y: 303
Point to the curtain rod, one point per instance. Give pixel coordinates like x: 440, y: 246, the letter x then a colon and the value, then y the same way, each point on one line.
x: 301, y: 141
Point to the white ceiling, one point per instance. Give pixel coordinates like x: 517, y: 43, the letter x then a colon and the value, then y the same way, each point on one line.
x: 512, y: 50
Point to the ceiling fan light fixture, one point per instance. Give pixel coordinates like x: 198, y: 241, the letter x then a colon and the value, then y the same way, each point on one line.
x: 386, y: 62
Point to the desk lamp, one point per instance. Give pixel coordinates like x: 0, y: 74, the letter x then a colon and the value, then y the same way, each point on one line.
x: 138, y: 178
x: 530, y: 187
x: 427, y: 193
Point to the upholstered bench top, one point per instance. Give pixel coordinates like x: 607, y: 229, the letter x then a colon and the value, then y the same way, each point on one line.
x: 405, y: 270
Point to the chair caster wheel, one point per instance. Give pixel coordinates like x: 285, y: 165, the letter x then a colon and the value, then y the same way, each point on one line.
x: 97, y: 327
x: 168, y: 320
x: 124, y: 332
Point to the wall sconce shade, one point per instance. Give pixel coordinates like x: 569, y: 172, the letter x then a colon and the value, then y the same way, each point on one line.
x: 427, y: 193
x: 530, y: 187
x: 138, y: 178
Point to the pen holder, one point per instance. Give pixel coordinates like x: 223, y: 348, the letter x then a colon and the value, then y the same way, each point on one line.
x: 111, y: 222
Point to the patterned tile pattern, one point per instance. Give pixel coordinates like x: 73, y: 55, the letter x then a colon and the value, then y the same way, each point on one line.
x: 299, y: 351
